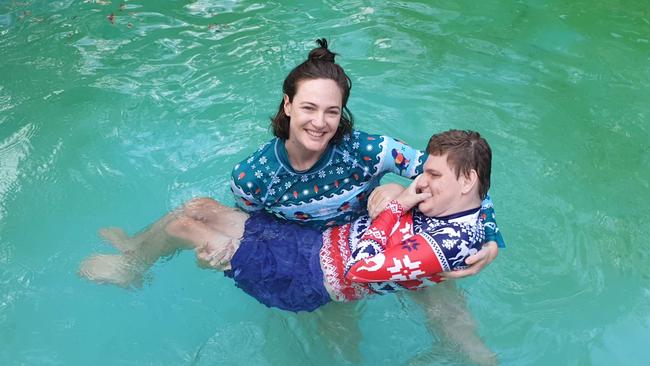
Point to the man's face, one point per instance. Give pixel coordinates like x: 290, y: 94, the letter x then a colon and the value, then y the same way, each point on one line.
x: 440, y: 180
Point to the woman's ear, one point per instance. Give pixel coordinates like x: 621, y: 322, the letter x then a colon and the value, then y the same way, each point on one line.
x: 469, y: 181
x: 287, y: 106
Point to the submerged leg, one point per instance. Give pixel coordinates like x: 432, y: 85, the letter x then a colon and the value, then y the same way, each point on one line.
x: 213, y: 248
x: 446, y: 311
x: 128, y: 269
x: 116, y: 269
x: 201, y: 223
x: 224, y: 219
x: 118, y: 238
x: 338, y: 325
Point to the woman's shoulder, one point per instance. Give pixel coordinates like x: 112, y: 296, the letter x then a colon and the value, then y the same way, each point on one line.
x: 364, y: 145
x: 263, y: 155
x: 356, y: 139
x: 256, y: 169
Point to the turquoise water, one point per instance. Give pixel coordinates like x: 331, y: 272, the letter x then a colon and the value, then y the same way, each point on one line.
x: 115, y: 123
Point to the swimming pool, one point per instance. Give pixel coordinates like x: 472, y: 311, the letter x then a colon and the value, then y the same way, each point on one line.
x: 114, y: 120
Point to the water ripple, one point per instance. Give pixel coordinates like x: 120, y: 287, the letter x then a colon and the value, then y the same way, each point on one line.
x: 13, y: 150
x: 241, y: 343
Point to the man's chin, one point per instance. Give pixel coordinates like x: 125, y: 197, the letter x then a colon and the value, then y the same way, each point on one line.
x: 428, y: 209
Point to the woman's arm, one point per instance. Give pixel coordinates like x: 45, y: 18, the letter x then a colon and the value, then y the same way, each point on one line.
x: 476, y: 262
x: 380, y: 197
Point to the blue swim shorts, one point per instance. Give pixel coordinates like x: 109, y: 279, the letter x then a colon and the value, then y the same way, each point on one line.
x: 278, y: 263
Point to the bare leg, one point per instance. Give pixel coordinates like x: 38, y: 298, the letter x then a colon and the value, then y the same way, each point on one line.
x: 201, y: 223
x: 126, y: 244
x: 224, y: 219
x: 446, y: 312
x: 213, y: 248
x: 339, y: 323
x: 117, y: 237
x: 338, y: 326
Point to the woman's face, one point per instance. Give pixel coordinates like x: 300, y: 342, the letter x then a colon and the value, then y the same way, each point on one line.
x: 315, y: 114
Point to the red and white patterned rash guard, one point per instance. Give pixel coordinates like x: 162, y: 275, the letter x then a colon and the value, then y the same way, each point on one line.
x: 398, y: 250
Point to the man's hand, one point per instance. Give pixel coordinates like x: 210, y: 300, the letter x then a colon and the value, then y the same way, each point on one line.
x: 216, y: 257
x: 410, y: 197
x: 476, y: 262
x: 380, y: 197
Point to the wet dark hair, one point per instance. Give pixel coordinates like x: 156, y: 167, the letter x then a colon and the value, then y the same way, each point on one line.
x: 320, y: 64
x: 466, y: 150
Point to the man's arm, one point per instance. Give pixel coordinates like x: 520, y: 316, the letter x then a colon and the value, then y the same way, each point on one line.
x: 477, y: 262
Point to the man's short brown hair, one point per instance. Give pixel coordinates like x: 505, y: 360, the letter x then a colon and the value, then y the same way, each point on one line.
x: 466, y: 150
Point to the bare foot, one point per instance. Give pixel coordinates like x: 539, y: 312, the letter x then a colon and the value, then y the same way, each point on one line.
x: 118, y: 238
x: 115, y: 269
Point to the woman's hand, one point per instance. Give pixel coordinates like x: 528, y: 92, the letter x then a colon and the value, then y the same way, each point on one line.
x: 476, y: 262
x: 380, y: 197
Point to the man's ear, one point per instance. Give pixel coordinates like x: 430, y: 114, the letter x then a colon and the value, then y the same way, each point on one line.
x: 469, y: 181
x: 287, y: 106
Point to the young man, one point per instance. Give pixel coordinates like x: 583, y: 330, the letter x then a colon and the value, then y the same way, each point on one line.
x: 413, y: 246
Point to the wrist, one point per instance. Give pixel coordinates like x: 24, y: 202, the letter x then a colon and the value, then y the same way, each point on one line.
x: 396, y: 207
x: 404, y: 203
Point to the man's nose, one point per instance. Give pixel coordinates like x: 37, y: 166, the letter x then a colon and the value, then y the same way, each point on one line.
x: 421, y: 184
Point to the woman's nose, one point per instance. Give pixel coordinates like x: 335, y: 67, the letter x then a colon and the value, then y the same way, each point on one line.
x: 319, y: 120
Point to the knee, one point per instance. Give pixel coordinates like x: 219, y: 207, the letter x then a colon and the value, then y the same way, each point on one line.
x: 201, y: 203
x: 200, y: 207
x: 180, y: 226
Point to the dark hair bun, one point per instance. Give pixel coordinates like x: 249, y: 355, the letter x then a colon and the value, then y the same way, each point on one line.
x: 321, y: 52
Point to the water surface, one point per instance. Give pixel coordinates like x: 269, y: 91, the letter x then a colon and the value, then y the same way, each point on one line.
x: 112, y: 113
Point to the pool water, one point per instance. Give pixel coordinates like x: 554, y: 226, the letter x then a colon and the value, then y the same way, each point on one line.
x: 113, y: 113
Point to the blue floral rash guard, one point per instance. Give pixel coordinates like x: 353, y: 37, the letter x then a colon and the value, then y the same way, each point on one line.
x: 335, y: 190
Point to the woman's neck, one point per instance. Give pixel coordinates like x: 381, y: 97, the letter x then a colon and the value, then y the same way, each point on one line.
x: 300, y: 159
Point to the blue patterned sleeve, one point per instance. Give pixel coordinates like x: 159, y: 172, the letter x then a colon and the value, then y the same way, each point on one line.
x: 399, y: 158
x: 492, y: 232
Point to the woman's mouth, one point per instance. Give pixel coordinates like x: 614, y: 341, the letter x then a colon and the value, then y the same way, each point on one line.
x: 316, y: 134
